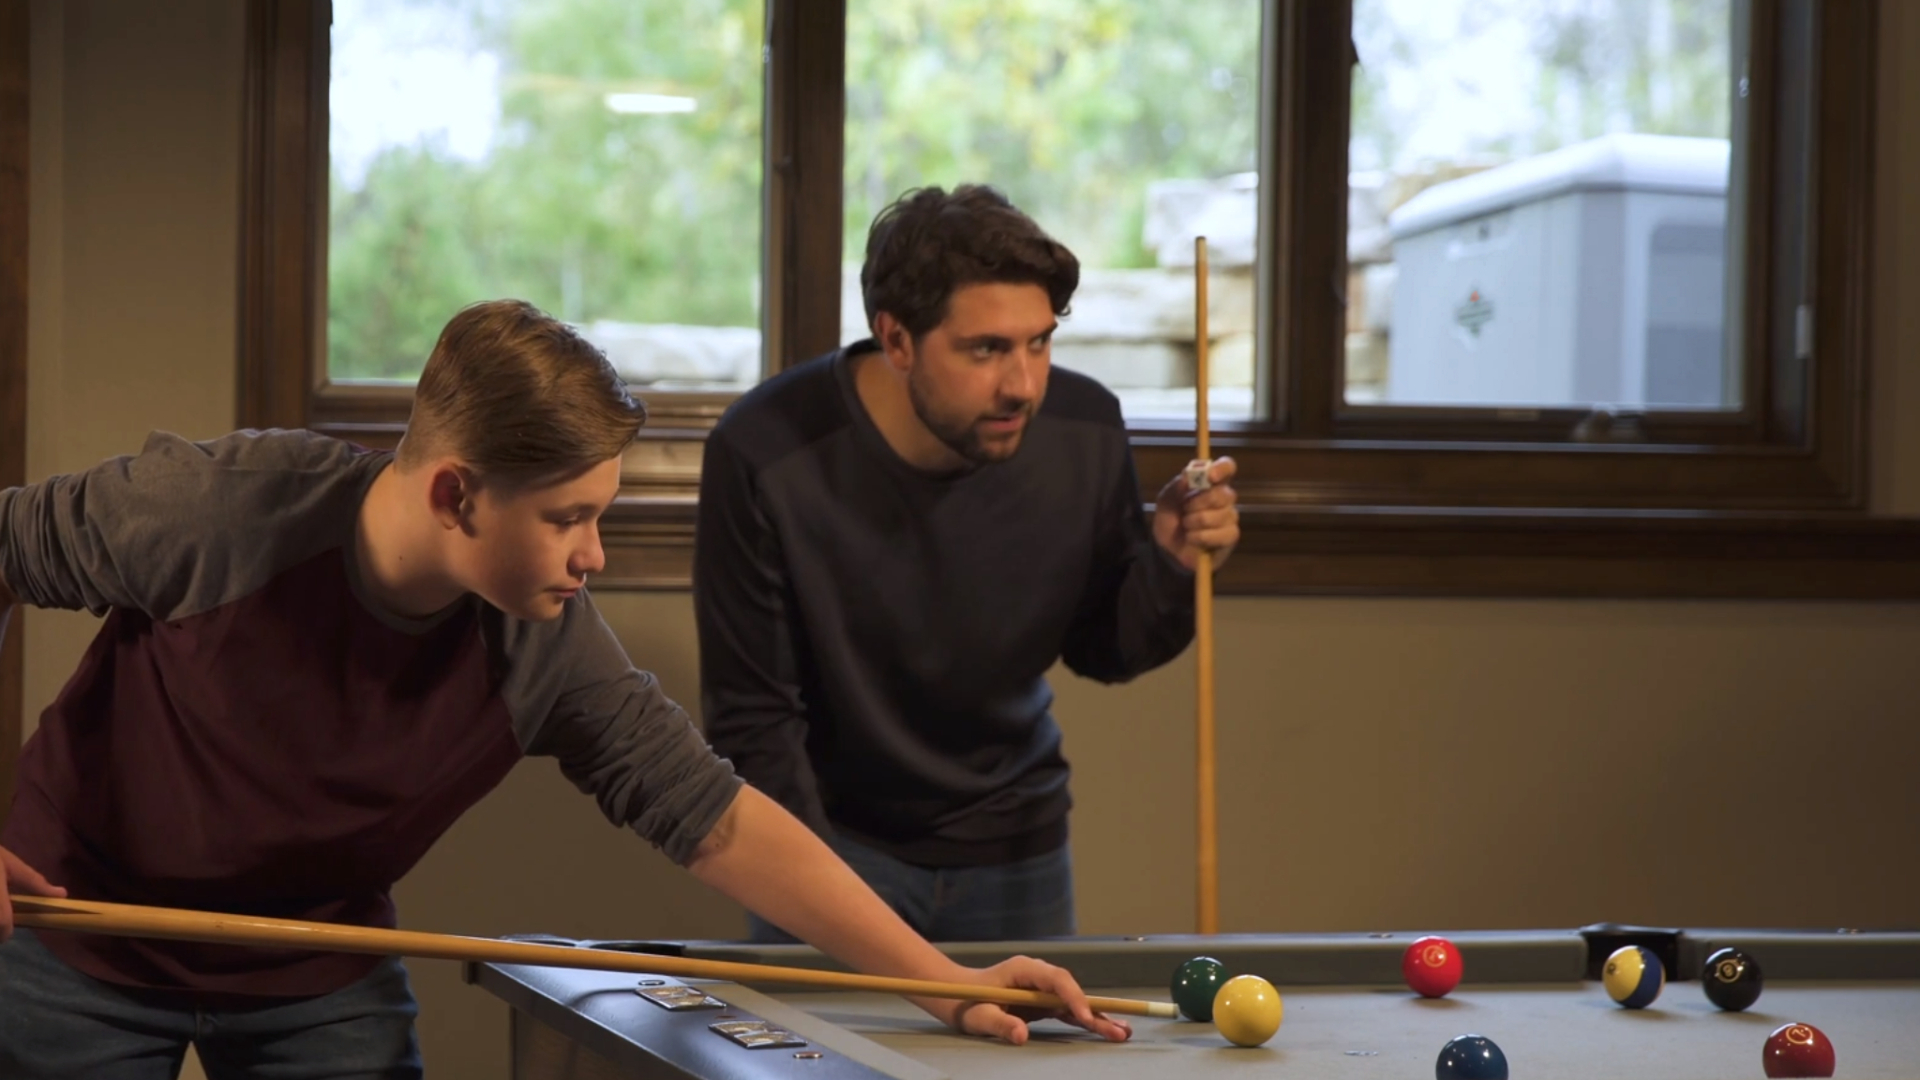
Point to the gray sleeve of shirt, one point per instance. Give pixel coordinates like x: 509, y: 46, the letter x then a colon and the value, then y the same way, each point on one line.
x: 177, y: 528
x: 576, y: 697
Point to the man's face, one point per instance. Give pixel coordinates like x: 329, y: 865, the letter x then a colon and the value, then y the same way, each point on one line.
x: 528, y: 551
x: 977, y: 379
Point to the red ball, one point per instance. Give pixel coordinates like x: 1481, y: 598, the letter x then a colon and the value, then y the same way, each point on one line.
x: 1798, y: 1050
x: 1432, y: 966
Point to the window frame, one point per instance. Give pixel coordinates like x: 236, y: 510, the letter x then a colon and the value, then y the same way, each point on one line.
x: 1330, y: 415
x: 1318, y: 451
x: 1335, y: 500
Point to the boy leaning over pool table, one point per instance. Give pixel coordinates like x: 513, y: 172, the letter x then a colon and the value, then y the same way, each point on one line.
x: 314, y: 658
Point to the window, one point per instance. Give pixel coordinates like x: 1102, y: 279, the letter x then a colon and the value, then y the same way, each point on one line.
x: 1538, y: 201
x: 1124, y: 127
x: 600, y: 158
x: 1783, y: 435
x: 1587, y: 320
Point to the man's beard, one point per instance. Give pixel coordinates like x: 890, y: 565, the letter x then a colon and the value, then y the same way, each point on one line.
x: 962, y: 434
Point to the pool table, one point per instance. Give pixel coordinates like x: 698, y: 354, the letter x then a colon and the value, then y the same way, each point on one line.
x: 1347, y: 1012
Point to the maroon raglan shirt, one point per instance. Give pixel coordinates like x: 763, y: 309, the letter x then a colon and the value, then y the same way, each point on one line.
x: 247, y: 734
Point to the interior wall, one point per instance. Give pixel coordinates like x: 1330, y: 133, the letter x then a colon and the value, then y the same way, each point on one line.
x: 1455, y: 764
x: 134, y: 226
x: 1384, y: 763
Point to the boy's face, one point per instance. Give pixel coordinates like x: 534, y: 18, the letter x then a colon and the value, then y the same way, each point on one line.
x: 977, y: 379
x: 528, y: 551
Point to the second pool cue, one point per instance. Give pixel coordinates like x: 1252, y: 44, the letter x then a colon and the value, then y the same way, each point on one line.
x: 1208, y: 898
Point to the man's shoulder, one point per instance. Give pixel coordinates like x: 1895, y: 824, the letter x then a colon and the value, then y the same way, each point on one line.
x: 787, y: 412
x: 1072, y: 395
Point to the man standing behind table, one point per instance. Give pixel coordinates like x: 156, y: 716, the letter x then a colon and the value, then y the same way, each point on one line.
x: 898, y: 539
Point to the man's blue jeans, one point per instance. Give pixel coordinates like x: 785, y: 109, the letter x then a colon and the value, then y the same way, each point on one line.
x: 1019, y: 901
x: 56, y: 1023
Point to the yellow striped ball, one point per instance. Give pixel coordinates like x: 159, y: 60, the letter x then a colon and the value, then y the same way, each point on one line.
x: 1633, y: 976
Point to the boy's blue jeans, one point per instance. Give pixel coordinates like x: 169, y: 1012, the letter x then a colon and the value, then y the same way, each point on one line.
x: 56, y: 1022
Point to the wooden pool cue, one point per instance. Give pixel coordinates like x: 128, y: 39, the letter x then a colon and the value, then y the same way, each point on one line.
x: 1208, y: 905
x: 134, y: 920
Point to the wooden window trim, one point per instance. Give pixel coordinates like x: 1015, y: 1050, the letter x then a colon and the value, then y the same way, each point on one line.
x: 1340, y: 504
x: 1324, y: 453
x: 282, y: 379
x: 14, y: 180
x: 1319, y: 73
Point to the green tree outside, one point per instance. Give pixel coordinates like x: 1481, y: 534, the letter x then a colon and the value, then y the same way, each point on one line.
x: 1073, y: 107
x: 1070, y: 106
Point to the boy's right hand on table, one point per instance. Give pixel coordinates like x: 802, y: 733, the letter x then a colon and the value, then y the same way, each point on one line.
x: 24, y: 880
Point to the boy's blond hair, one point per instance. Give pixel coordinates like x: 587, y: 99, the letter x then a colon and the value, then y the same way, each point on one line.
x: 520, y: 397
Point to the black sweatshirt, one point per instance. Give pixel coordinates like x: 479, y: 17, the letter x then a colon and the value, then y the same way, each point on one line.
x: 874, y: 638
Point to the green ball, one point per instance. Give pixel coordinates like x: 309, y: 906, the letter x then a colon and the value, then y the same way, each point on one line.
x: 1194, y: 985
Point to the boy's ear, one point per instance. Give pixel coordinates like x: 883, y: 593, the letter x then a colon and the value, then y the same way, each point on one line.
x: 450, y: 491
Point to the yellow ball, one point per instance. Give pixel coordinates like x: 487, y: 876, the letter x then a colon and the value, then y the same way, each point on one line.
x: 1633, y: 976
x: 1247, y: 1009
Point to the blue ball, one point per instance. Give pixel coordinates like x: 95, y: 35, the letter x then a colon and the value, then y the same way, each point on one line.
x: 1634, y: 976
x: 1470, y: 1057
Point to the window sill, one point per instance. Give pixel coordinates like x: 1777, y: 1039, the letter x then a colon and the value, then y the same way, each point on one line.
x: 1571, y: 553
x: 1290, y: 549
x: 1457, y: 552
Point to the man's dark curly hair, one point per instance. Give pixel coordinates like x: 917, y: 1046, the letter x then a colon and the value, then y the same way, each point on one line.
x: 931, y: 242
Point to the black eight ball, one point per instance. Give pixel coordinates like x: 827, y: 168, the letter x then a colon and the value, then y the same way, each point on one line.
x: 1731, y: 979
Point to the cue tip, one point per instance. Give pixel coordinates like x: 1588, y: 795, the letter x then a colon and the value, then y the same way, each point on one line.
x: 1165, y: 1010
